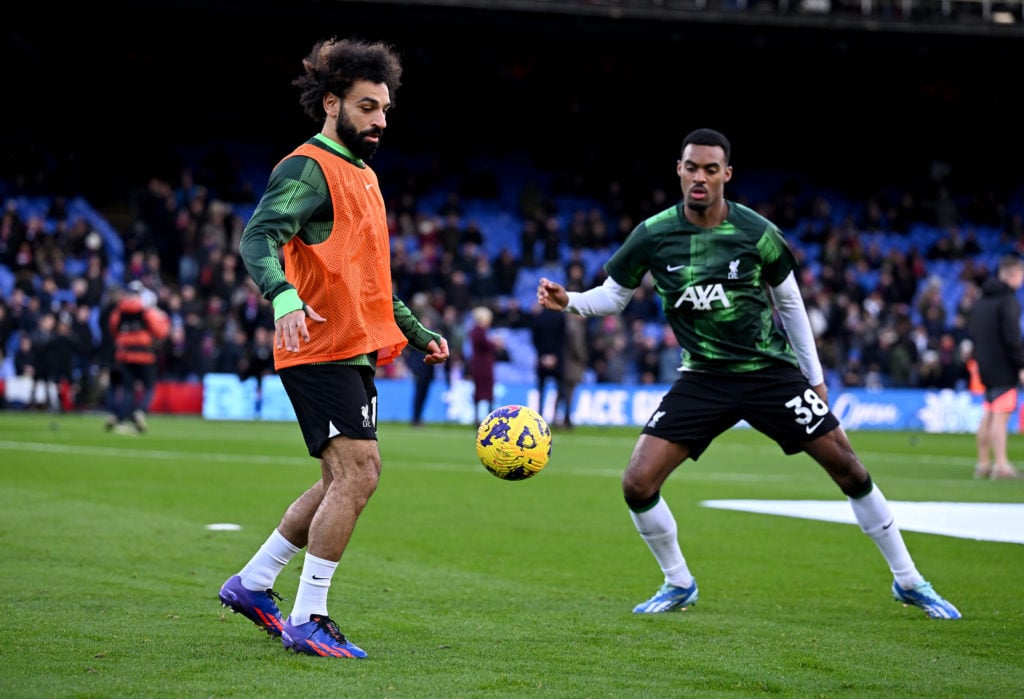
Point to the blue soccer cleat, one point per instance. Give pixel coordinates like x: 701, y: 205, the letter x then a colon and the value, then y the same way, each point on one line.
x: 319, y: 636
x: 257, y: 606
x: 667, y: 598
x: 922, y: 595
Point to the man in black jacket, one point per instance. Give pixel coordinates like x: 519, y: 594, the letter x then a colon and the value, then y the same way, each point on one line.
x: 994, y: 326
x: 547, y: 330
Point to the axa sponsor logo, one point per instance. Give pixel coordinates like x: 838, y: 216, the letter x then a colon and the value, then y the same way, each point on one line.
x: 701, y: 297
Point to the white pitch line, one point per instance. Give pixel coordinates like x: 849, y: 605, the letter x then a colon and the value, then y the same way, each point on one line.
x: 982, y: 521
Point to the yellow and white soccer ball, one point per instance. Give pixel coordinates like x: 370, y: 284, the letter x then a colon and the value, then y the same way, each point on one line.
x: 514, y: 442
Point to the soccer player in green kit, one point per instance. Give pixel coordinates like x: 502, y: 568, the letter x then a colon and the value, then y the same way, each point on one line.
x: 722, y: 272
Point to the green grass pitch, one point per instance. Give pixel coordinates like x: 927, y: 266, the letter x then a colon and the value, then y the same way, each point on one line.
x: 458, y: 584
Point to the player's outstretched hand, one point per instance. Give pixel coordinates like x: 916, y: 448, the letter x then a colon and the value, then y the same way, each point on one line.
x: 552, y: 295
x: 436, y: 353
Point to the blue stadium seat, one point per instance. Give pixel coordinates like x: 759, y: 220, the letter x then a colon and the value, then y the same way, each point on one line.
x: 6, y: 281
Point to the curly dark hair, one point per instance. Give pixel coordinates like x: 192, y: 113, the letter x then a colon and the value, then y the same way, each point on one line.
x: 709, y: 137
x: 334, y: 64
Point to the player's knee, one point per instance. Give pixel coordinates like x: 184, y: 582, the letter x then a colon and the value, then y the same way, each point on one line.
x: 642, y: 504
x: 857, y: 487
x: 640, y: 493
x: 357, y: 465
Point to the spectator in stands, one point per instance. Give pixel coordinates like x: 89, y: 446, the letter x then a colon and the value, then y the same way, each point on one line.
x: 576, y: 358
x: 724, y: 270
x: 422, y: 373
x: 258, y: 361
x: 95, y: 281
x: 600, y: 235
x: 44, y: 390
x: 6, y: 326
x: 620, y: 361
x: 643, y: 306
x: 453, y: 329
x: 608, y: 333
x: 483, y: 286
x: 903, y: 355
x: 575, y: 275
x: 529, y: 235
x: 669, y: 356
x: 547, y: 332
x: 59, y: 356
x: 86, y: 363
x: 25, y: 360
x: 336, y: 320
x: 137, y: 326
x: 551, y: 237
x: 252, y: 310
x: 459, y: 289
x: 175, y: 358
x: 511, y: 314
x: 230, y: 352
x: 994, y: 326
x: 449, y: 234
x: 645, y: 350
x: 484, y: 348
x: 578, y: 235
x: 506, y: 271
x: 423, y: 378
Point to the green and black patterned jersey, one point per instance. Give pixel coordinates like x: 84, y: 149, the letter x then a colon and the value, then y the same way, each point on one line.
x: 297, y: 203
x: 713, y: 285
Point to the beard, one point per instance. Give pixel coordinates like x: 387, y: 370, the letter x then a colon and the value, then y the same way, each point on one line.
x: 356, y: 141
x: 698, y: 206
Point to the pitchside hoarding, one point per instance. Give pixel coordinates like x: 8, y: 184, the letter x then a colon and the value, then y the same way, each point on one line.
x: 227, y: 398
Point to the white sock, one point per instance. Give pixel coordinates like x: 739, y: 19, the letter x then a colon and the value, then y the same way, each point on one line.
x: 314, y: 583
x: 657, y: 527
x: 876, y: 520
x: 263, y: 568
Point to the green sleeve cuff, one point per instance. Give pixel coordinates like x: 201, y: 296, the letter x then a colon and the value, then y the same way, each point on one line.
x: 423, y: 339
x: 286, y: 302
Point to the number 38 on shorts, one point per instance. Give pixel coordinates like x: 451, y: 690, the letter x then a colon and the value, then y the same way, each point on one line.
x: 809, y: 410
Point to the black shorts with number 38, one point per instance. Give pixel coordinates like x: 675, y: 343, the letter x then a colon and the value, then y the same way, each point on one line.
x: 778, y: 402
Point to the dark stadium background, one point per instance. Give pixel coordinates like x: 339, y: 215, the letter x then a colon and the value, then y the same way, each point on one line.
x: 99, y: 96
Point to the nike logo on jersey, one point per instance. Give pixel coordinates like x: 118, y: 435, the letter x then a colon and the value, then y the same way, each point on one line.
x: 674, y: 268
x: 368, y: 186
x: 811, y: 428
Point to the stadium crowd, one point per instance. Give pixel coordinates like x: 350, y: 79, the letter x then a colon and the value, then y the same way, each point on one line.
x: 887, y: 277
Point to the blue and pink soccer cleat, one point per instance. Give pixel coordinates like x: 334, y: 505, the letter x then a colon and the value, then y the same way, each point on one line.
x: 257, y: 606
x: 319, y: 636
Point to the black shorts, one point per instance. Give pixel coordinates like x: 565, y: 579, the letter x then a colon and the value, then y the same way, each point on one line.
x: 778, y: 402
x: 331, y: 400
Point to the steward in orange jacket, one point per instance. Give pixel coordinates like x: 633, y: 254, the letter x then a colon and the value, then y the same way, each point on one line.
x: 137, y: 327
